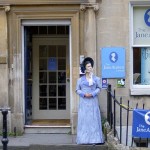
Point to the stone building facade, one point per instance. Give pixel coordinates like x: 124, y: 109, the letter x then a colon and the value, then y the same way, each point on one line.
x: 42, y: 42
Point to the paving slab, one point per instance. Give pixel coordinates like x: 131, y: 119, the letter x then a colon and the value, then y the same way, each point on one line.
x: 48, y: 142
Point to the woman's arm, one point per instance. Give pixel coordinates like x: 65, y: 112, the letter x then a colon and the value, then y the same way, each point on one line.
x: 78, y: 89
x: 98, y: 87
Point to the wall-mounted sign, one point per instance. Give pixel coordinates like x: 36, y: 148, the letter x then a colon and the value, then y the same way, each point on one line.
x: 141, y: 123
x: 52, y: 64
x: 81, y: 60
x: 104, y: 83
x: 120, y: 83
x: 113, y: 62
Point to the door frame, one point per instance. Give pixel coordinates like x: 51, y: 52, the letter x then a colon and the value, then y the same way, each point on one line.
x: 15, y: 46
x: 46, y: 22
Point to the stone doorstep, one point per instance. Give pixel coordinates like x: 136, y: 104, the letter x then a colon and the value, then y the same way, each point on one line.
x: 59, y: 147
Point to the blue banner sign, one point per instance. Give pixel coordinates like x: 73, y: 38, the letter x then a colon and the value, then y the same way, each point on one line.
x: 113, y: 62
x: 52, y: 64
x: 141, y: 123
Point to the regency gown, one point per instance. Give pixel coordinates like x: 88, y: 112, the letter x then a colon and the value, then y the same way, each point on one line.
x: 89, y: 128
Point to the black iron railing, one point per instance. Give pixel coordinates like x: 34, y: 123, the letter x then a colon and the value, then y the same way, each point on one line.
x: 112, y: 103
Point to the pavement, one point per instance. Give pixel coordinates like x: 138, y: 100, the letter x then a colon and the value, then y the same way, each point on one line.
x: 40, y: 139
x: 47, y: 142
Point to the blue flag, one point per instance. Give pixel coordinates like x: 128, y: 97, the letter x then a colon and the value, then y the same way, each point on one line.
x: 141, y: 123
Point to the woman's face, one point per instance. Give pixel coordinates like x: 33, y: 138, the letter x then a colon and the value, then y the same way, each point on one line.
x: 88, y: 67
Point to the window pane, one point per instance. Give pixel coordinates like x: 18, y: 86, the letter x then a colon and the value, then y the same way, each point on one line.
x: 42, y: 51
x: 43, y: 77
x: 52, y: 30
x: 52, y: 90
x: 145, y: 66
x: 62, y: 103
x: 62, y: 51
x: 61, y: 64
x: 52, y: 51
x: 52, y: 103
x: 61, y: 30
x: 52, y: 77
x: 61, y: 77
x: 141, y: 69
x: 42, y: 30
x: 43, y: 64
x: 67, y: 30
x: 43, y: 104
x: 62, y: 90
x: 43, y: 90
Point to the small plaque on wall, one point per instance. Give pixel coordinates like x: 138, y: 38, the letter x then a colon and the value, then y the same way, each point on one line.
x: 3, y: 60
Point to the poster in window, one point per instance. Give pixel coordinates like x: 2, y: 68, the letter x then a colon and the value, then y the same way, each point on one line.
x: 52, y: 64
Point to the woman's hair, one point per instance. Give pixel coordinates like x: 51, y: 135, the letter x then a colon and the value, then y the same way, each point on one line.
x: 87, y: 62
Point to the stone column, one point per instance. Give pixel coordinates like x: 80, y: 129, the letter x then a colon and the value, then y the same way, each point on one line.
x: 90, y: 30
x: 4, y: 102
x: 3, y: 56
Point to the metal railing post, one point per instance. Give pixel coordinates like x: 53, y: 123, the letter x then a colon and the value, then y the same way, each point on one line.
x: 120, y: 120
x: 114, y: 115
x: 109, y: 104
x: 4, y: 139
x: 127, y: 124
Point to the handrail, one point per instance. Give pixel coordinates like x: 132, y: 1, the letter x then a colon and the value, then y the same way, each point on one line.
x: 111, y: 116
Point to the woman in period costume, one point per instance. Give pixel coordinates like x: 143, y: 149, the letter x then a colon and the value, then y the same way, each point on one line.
x: 89, y: 128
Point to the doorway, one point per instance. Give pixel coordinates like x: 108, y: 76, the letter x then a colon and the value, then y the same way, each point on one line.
x: 47, y: 77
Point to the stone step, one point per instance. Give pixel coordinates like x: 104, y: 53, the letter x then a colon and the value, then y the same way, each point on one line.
x: 59, y: 147
x: 47, y: 129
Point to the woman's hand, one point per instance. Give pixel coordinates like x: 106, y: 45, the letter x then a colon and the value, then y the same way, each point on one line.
x: 88, y: 95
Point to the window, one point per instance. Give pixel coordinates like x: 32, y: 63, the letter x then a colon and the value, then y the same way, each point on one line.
x: 140, y: 50
x: 141, y: 65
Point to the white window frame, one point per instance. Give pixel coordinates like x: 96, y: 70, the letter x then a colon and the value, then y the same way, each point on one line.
x: 136, y: 89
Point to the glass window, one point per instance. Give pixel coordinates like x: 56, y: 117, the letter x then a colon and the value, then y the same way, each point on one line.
x: 61, y: 64
x: 62, y: 51
x: 141, y: 45
x: 43, y: 51
x: 43, y: 64
x: 61, y: 90
x: 43, y: 104
x: 52, y: 103
x: 61, y: 77
x: 141, y: 66
x: 43, y: 90
x: 43, y: 77
x: 52, y: 90
x: 62, y: 103
x: 52, y: 77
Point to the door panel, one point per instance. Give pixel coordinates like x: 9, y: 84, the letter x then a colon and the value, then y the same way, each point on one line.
x: 51, y: 90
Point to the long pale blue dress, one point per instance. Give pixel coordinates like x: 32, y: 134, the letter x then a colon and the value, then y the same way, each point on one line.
x: 89, y: 128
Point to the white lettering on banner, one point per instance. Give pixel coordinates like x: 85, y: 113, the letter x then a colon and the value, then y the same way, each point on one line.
x: 119, y: 68
x: 142, y: 128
